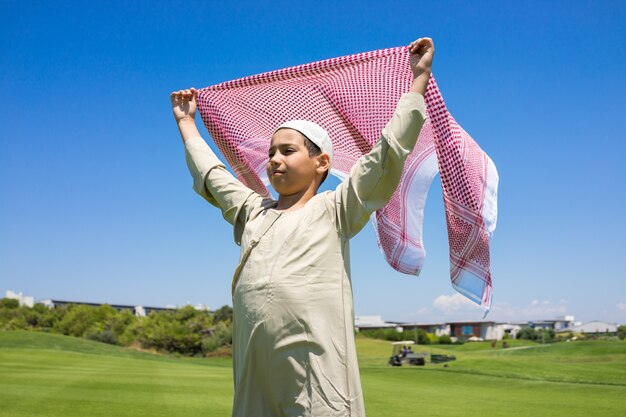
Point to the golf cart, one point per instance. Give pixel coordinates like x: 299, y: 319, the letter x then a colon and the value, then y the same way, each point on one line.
x: 402, y: 354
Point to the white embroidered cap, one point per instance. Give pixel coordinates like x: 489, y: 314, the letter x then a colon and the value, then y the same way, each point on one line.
x: 314, y: 132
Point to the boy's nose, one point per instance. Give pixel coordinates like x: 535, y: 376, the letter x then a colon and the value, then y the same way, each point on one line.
x: 275, y: 160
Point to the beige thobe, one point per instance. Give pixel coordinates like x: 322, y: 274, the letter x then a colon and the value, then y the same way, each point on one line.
x: 293, y: 328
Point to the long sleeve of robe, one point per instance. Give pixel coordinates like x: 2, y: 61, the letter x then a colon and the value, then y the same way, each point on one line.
x: 293, y: 327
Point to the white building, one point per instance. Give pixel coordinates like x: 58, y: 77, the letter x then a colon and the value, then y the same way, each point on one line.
x: 438, y: 329
x: 559, y: 324
x: 371, y: 322
x: 22, y: 299
x: 563, y: 322
x: 595, y: 327
x: 485, y: 330
x: 140, y: 311
x: 510, y: 328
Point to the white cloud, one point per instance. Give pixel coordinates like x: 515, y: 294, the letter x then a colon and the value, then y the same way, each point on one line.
x: 423, y: 310
x: 448, y: 304
x: 457, y: 307
x: 536, y: 309
x: 544, y: 311
x: 621, y: 306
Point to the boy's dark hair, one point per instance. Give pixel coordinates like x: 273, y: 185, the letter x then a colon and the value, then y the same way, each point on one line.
x: 314, y: 150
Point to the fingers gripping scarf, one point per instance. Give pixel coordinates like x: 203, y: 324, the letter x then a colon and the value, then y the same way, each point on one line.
x: 353, y: 98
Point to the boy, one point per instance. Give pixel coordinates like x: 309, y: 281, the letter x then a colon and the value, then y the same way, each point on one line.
x: 293, y: 327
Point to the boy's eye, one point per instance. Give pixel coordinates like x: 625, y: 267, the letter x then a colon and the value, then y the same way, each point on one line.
x: 289, y: 150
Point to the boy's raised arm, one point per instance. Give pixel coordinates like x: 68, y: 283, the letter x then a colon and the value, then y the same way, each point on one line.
x: 375, y: 176
x: 211, y: 179
x: 422, y: 51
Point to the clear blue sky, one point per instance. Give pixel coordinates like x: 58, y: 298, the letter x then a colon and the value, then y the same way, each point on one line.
x: 96, y: 202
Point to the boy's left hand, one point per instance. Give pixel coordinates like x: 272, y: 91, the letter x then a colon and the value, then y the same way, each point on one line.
x: 422, y: 51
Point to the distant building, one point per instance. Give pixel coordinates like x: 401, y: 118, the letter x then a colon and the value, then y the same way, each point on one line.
x: 486, y: 330
x: 139, y: 311
x: 22, y: 299
x: 511, y: 329
x: 595, y: 328
x: 371, y: 323
x: 558, y: 325
x: 437, y: 329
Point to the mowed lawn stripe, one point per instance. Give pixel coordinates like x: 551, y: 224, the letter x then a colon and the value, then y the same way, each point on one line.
x: 78, y: 377
x: 58, y: 383
x: 589, y: 362
x: 434, y: 394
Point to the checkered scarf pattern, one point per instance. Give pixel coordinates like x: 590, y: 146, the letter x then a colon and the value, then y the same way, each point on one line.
x: 353, y: 97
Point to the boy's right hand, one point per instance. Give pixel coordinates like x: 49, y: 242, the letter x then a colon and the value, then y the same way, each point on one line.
x: 184, y: 104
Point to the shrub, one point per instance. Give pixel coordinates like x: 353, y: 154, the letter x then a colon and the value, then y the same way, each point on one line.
x: 444, y: 339
x: 80, y: 318
x: 9, y: 303
x: 210, y: 344
x: 390, y: 334
x: 537, y: 335
x: 224, y: 313
x: 176, y: 331
x: 545, y: 336
x: 16, y: 323
x: 185, y: 331
x: 132, y: 332
x: 422, y: 337
x: 432, y: 338
x: 527, y: 333
x: 221, y: 335
x: 104, y: 336
x: 393, y: 335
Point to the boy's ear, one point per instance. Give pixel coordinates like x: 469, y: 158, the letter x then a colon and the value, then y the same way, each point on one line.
x: 323, y: 163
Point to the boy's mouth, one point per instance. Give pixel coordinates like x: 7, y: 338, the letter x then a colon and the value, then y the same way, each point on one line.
x: 277, y: 173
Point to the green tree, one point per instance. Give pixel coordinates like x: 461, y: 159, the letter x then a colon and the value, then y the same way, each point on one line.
x: 81, y: 319
x: 432, y: 338
x: 176, y: 331
x: 221, y: 335
x: 527, y: 333
x: 224, y: 313
x: 9, y: 303
x: 109, y: 325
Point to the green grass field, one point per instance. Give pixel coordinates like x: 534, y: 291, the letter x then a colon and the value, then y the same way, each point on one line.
x: 48, y: 375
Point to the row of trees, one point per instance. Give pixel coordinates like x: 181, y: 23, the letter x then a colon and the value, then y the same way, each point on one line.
x: 549, y: 335
x: 537, y: 335
x: 184, y: 331
x: 420, y: 336
x: 423, y: 338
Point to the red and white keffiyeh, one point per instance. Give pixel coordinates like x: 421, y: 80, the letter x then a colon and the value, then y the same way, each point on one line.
x: 353, y: 97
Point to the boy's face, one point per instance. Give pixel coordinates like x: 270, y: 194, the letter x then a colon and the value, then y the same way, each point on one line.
x: 290, y: 169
